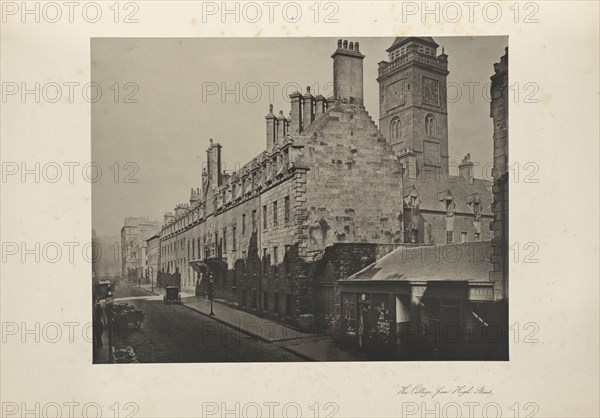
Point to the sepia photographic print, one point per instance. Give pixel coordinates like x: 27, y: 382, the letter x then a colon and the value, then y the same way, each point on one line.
x: 299, y: 209
x: 301, y: 199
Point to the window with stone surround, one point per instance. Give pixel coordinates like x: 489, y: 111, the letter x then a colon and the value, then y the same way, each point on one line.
x: 234, y: 238
x: 430, y: 125
x: 395, y: 129
x: 275, y: 221
x: 286, y: 209
x: 275, y: 261
x: 265, y: 260
x: 264, y: 215
x: 449, y: 237
x: 243, y: 224
x: 254, y: 220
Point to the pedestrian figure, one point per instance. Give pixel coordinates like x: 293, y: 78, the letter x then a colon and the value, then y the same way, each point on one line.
x: 98, y: 326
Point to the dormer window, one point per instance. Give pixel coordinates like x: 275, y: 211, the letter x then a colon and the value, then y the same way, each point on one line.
x: 448, y: 204
x: 447, y: 201
x: 474, y: 204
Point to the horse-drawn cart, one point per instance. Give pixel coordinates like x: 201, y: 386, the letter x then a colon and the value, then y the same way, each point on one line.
x: 126, y: 317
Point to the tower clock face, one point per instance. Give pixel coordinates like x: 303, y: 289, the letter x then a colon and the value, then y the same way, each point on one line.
x: 431, y: 91
x: 395, y: 94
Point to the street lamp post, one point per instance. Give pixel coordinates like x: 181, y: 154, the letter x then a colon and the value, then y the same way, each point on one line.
x: 211, y: 293
x: 152, y: 278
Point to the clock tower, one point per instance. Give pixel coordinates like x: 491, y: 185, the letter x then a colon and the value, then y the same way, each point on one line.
x: 413, y: 109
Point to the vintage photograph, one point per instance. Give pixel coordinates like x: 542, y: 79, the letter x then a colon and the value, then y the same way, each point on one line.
x: 300, y: 199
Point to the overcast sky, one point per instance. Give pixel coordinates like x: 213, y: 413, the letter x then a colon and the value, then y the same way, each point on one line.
x: 180, y: 106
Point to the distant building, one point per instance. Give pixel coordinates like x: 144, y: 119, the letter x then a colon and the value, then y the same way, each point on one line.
x: 106, y: 262
x: 134, y: 234
x: 153, y: 259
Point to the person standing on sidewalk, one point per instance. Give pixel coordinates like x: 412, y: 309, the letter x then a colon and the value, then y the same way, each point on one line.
x: 98, y: 326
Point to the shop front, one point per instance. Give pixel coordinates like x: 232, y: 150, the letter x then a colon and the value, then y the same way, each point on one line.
x: 399, y: 309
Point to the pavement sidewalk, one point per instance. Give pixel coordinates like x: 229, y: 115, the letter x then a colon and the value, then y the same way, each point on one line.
x: 309, y: 346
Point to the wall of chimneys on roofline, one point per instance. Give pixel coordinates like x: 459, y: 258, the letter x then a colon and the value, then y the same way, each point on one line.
x: 263, y: 172
x: 304, y: 110
x: 270, y: 167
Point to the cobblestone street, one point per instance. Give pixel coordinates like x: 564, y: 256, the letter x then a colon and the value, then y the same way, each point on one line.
x: 176, y: 334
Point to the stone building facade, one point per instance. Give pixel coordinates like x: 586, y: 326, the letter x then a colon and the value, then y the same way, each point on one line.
x: 499, y: 113
x: 330, y: 186
x: 134, y: 233
x: 327, y: 176
x: 153, y: 257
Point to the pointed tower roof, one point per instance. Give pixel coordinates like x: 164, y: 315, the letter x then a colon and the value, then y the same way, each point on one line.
x: 404, y: 39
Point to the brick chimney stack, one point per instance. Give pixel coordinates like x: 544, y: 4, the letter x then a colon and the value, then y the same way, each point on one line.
x: 308, y: 112
x: 213, y: 160
x: 271, y: 128
x: 296, y: 117
x: 168, y: 217
x: 465, y: 169
x: 281, y: 128
x: 320, y: 105
x: 348, y: 73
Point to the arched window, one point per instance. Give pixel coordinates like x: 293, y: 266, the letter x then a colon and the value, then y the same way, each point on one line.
x: 395, y: 129
x: 430, y: 125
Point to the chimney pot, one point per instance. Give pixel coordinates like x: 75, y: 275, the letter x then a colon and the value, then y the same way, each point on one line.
x: 271, y: 127
x: 308, y: 113
x: 348, y: 74
x: 465, y: 169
